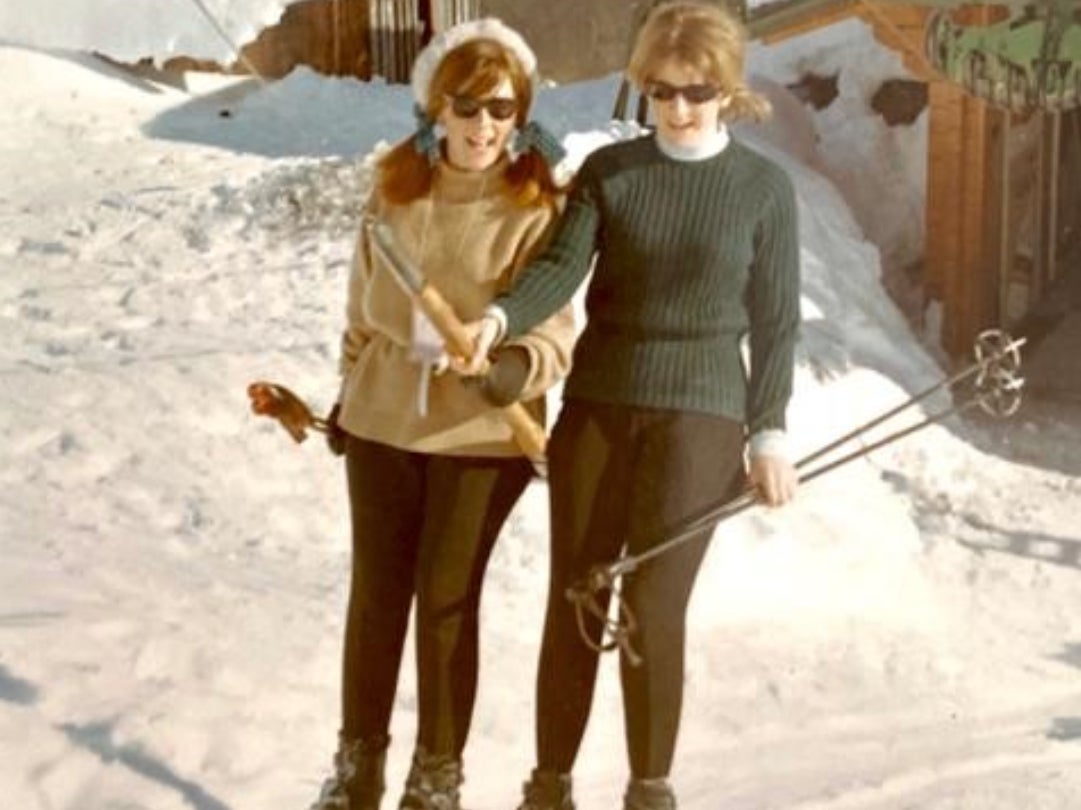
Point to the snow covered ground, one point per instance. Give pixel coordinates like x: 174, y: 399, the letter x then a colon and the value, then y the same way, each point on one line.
x: 129, y: 30
x: 173, y: 568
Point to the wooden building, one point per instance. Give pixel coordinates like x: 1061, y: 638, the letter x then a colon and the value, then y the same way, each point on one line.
x: 1002, y: 205
x: 1002, y: 213
x: 361, y: 38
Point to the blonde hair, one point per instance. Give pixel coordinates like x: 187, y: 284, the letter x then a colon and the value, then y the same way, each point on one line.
x: 475, y: 67
x: 705, y: 37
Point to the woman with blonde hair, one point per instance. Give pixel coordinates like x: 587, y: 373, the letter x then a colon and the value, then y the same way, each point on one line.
x: 432, y: 470
x: 692, y: 239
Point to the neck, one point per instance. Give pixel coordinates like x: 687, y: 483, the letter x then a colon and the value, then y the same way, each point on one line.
x: 463, y: 185
x: 710, y: 146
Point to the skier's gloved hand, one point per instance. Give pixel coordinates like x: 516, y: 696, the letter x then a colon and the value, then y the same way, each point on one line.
x: 335, y: 435
x: 484, y: 334
x: 506, y: 377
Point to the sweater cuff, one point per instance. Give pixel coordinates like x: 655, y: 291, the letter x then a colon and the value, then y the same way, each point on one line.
x: 499, y: 315
x: 769, y: 442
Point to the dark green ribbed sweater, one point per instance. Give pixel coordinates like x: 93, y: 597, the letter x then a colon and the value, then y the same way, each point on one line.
x: 691, y: 256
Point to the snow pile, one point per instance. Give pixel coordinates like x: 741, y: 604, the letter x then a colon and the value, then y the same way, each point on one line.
x: 129, y: 30
x: 311, y: 195
x: 869, y: 161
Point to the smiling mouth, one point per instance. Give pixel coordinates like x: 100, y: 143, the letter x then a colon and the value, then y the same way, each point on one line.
x: 480, y: 143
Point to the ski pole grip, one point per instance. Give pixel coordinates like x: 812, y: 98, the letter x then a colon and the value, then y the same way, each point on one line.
x: 446, y: 322
x: 528, y: 433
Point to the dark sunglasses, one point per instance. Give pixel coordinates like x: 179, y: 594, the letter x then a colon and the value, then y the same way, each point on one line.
x: 468, y: 107
x: 692, y: 93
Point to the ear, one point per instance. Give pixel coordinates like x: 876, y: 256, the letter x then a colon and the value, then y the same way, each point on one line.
x: 725, y: 103
x: 443, y: 115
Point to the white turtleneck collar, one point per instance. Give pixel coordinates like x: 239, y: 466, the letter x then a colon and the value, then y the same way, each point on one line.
x: 712, y: 146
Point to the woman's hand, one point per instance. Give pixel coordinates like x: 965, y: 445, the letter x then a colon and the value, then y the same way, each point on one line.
x: 336, y: 437
x: 774, y: 478
x: 484, y: 334
x: 505, y: 379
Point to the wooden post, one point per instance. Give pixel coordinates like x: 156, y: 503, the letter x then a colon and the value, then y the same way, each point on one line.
x: 943, y: 182
x: 447, y: 13
x: 1070, y: 194
x: 962, y: 215
x: 1006, y: 242
x: 965, y: 214
x: 1049, y: 196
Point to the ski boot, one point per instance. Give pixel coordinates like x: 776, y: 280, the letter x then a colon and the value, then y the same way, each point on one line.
x: 649, y: 794
x: 547, y: 790
x: 432, y: 783
x: 357, y: 782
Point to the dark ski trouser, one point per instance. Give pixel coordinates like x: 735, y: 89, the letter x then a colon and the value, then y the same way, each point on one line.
x: 621, y: 478
x: 424, y: 527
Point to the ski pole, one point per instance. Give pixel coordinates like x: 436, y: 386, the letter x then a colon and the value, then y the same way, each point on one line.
x: 527, y: 432
x: 998, y: 391
x: 997, y: 357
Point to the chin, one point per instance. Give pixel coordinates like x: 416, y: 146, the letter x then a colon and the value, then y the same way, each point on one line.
x: 684, y: 137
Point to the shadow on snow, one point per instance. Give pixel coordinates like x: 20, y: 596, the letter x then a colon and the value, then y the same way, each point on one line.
x: 16, y: 690
x: 98, y: 739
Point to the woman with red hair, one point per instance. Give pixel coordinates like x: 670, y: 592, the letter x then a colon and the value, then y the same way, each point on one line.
x: 432, y: 470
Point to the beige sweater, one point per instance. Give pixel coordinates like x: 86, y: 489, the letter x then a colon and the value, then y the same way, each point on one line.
x: 470, y: 240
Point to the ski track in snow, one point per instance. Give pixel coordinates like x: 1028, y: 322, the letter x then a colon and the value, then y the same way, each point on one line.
x: 175, y: 568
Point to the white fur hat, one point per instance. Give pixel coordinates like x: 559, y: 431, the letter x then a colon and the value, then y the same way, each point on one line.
x: 432, y: 54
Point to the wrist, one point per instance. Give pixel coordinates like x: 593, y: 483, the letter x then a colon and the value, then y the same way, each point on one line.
x: 769, y: 442
x: 499, y: 318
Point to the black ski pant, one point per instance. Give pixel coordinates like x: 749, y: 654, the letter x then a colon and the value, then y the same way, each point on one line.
x: 423, y: 527
x: 621, y: 478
